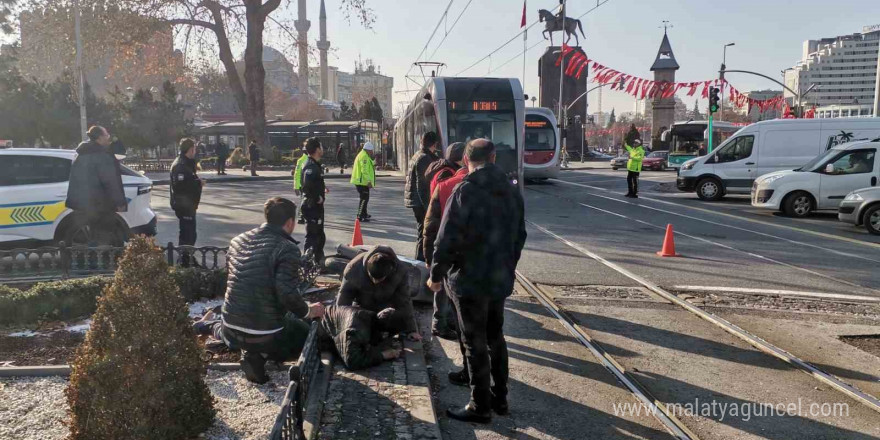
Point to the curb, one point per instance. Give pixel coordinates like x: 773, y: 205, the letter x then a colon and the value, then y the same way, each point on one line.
x: 419, y: 385
x: 263, y: 178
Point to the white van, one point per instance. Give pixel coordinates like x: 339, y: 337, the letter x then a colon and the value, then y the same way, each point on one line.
x: 765, y: 147
x: 822, y: 183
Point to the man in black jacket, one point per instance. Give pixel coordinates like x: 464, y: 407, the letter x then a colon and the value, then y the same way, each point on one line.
x: 264, y: 312
x: 253, y: 156
x: 186, y: 191
x: 222, y: 154
x: 376, y: 280
x: 417, y: 190
x: 314, y: 192
x: 355, y: 334
x: 95, y: 192
x: 481, y: 237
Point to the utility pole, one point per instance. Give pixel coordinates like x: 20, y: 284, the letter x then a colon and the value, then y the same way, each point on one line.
x: 721, y: 76
x: 79, y: 72
x: 562, y: 112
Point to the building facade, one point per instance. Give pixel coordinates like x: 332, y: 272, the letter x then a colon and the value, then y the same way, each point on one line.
x: 663, y: 109
x: 843, y: 70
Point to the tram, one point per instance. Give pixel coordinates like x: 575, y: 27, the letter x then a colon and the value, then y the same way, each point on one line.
x: 542, y: 157
x: 461, y: 109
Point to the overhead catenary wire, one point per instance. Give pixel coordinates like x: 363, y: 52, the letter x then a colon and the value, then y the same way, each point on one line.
x: 439, y: 22
x: 518, y: 35
x: 449, y: 30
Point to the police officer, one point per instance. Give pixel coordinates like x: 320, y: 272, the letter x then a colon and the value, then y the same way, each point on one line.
x: 314, y: 192
x: 634, y: 167
x: 363, y: 177
x: 186, y: 191
x: 297, y: 180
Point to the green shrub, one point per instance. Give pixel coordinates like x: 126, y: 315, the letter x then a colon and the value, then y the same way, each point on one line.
x: 71, y: 299
x: 138, y: 374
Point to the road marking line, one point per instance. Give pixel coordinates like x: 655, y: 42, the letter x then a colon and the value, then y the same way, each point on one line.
x: 776, y: 292
x: 766, y: 347
x: 845, y: 254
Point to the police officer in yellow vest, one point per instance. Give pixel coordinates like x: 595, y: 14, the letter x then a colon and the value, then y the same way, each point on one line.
x: 363, y: 176
x: 297, y: 180
x: 634, y: 166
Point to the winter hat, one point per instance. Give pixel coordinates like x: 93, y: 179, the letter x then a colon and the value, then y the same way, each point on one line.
x: 369, y: 146
x: 455, y: 152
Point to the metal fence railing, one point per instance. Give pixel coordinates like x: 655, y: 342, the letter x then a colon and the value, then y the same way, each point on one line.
x: 289, y: 422
x: 63, y: 261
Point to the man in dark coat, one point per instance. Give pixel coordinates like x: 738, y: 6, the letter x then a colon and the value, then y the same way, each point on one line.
x: 341, y: 157
x: 264, y: 311
x: 416, y: 192
x: 222, y: 154
x: 253, y: 156
x: 186, y: 191
x: 481, y: 237
x: 376, y: 280
x: 314, y: 192
x: 95, y: 192
x: 355, y: 334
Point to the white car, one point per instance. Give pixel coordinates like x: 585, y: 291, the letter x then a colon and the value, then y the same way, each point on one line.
x: 822, y: 183
x: 33, y: 190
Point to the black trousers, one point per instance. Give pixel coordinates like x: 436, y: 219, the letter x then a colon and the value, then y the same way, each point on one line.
x: 221, y: 165
x: 253, y: 168
x: 419, y: 213
x: 280, y: 346
x: 103, y: 229
x: 481, y: 320
x: 187, y: 236
x: 632, y: 182
x: 364, y: 194
x: 315, y: 237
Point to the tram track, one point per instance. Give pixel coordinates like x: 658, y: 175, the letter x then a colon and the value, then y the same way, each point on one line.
x: 620, y: 372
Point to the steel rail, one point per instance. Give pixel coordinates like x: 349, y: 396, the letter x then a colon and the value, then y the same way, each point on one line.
x: 753, y: 340
x: 655, y: 407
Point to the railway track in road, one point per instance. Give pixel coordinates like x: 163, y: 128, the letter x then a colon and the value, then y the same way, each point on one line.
x: 631, y: 383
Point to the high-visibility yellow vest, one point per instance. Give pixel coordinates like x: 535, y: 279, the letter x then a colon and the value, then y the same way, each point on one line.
x: 636, y: 155
x: 363, y: 172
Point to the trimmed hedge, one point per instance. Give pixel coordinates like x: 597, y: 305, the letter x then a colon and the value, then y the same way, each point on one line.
x: 77, y: 298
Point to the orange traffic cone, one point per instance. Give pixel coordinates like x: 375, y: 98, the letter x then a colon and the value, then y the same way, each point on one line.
x: 356, y: 238
x: 668, y: 244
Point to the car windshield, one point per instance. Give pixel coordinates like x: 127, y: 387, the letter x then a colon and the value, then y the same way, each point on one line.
x: 819, y: 161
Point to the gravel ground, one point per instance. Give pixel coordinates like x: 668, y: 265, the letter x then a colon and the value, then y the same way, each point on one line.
x: 867, y: 343
x: 35, y: 408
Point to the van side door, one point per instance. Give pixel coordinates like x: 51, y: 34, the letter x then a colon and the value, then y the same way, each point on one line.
x: 849, y: 171
x: 736, y: 163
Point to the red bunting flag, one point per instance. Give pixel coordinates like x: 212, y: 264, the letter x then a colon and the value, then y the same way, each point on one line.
x: 522, y: 23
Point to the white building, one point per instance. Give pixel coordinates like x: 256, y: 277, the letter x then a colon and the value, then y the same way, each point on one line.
x: 354, y: 88
x: 844, y: 70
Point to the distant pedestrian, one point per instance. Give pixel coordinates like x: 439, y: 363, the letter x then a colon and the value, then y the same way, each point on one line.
x: 95, y: 192
x: 481, y: 238
x: 222, y: 154
x: 297, y: 180
x: 254, y: 156
x: 634, y: 167
x: 340, y: 157
x: 416, y: 192
x: 186, y: 191
x: 450, y: 172
x: 314, y: 194
x: 363, y: 176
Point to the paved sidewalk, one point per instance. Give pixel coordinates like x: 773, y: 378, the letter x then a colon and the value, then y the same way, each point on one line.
x: 389, y: 401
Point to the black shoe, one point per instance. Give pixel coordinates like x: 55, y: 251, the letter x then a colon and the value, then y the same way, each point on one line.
x: 445, y: 333
x: 499, y: 405
x: 469, y: 414
x: 634, y: 196
x: 460, y: 378
x: 254, y: 367
x: 364, y: 219
x: 628, y: 195
x: 301, y: 221
x: 368, y: 216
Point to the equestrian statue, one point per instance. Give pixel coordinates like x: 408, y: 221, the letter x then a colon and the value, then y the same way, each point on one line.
x: 553, y: 23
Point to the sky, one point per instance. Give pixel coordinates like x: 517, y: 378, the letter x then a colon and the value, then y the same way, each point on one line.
x: 623, y: 34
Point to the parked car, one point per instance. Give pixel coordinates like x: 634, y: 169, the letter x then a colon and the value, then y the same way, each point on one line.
x: 619, y: 161
x: 822, y: 183
x: 862, y: 208
x: 765, y: 147
x: 33, y: 191
x: 656, y: 160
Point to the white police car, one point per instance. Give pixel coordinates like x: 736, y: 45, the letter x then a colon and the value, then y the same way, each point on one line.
x: 33, y: 190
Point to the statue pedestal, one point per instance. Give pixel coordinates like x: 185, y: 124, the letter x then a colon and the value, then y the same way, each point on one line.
x: 548, y: 72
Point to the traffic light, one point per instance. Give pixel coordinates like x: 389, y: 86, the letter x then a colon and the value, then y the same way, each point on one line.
x: 714, y: 99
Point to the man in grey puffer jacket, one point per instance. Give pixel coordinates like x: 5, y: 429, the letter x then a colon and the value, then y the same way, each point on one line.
x: 264, y: 312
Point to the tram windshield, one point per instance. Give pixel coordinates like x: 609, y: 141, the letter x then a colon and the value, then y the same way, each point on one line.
x: 540, y: 135
x: 492, y: 120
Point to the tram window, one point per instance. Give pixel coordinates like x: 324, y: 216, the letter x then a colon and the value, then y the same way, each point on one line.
x: 499, y: 127
x: 540, y: 136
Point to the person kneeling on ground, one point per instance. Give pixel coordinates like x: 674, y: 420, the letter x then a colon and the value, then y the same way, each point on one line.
x: 355, y: 335
x: 376, y: 280
x: 263, y: 313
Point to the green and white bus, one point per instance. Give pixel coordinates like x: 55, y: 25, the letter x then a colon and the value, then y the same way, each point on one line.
x: 687, y: 139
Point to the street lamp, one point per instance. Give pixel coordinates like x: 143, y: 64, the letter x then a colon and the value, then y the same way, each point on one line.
x: 723, y: 68
x: 533, y: 100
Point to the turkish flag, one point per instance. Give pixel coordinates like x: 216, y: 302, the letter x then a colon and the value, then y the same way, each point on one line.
x: 522, y: 24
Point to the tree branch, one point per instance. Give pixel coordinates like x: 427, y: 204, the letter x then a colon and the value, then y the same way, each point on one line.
x: 191, y: 22
x: 269, y: 7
